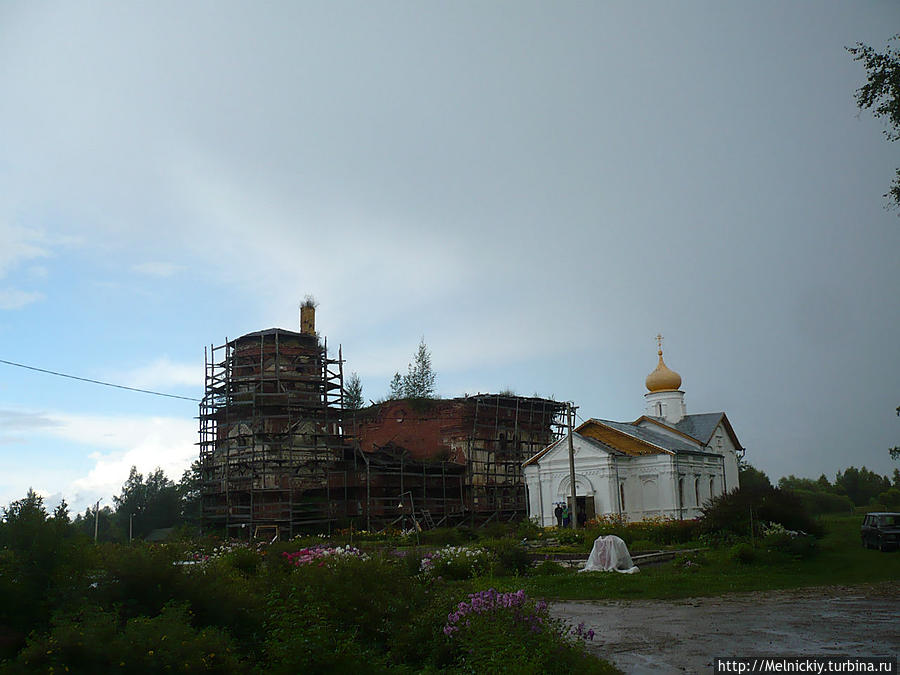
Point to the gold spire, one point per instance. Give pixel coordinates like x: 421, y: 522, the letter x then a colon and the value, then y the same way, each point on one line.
x: 662, y: 379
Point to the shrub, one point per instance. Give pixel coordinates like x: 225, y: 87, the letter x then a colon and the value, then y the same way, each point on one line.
x: 693, y: 560
x: 299, y: 639
x: 641, y: 545
x: 447, y: 536
x: 509, y: 557
x: 346, y: 616
x: 889, y: 500
x: 510, y: 632
x: 819, y: 502
x: 568, y: 536
x: 245, y: 561
x: 456, y: 562
x: 90, y: 640
x: 731, y: 513
x: 548, y: 567
x: 140, y: 579
x: 794, y: 544
x: 321, y: 555
x: 528, y: 528
x: 743, y: 553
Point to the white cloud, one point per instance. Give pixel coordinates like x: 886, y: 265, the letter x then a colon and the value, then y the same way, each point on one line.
x: 20, y: 244
x: 13, y: 298
x: 120, y: 443
x: 144, y: 442
x: 158, y: 269
x: 163, y: 373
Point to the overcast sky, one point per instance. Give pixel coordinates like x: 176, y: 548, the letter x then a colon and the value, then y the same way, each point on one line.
x: 538, y: 189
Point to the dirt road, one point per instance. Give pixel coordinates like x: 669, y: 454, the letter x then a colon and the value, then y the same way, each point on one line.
x: 651, y: 636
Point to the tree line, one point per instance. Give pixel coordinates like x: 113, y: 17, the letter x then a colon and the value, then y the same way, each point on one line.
x: 143, y: 505
x: 851, y: 488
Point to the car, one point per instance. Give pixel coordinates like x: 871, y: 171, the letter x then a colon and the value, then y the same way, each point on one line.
x: 881, y: 530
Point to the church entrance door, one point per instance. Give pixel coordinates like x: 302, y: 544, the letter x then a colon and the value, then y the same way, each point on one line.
x: 583, y: 504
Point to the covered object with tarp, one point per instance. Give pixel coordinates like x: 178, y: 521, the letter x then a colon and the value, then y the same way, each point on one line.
x: 610, y: 553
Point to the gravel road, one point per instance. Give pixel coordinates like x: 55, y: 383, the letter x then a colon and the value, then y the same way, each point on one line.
x: 652, y: 636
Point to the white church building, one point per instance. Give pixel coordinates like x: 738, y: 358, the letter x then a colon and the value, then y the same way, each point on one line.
x: 664, y: 464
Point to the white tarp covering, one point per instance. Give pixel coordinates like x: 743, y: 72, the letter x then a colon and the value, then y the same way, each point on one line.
x: 610, y: 553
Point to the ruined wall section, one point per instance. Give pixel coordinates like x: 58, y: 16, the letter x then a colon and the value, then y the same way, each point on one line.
x: 489, y: 434
x: 270, y: 428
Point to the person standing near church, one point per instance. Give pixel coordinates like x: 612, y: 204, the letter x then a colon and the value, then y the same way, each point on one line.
x: 558, y: 512
x: 565, y: 515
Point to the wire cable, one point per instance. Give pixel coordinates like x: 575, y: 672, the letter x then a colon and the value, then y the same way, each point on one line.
x: 105, y: 384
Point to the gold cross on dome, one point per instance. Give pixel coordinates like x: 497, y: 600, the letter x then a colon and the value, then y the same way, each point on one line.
x: 659, y: 339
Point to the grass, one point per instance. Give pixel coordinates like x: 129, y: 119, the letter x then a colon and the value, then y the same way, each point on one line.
x: 840, y: 560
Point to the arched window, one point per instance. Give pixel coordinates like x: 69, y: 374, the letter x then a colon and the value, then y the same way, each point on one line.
x: 681, y: 492
x: 712, y: 485
x: 622, y: 496
x: 697, y: 491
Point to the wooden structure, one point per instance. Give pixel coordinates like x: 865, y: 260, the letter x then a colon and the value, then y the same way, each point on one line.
x: 270, y: 432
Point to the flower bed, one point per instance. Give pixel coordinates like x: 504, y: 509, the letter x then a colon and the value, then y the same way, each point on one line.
x: 322, y: 554
x: 456, y: 562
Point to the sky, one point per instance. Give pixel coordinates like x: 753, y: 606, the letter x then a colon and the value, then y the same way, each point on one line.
x: 535, y: 188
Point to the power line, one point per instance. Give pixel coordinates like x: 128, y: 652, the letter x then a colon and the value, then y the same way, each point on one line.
x: 105, y: 384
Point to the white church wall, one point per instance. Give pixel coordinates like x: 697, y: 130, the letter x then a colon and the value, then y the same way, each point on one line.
x: 548, y: 481
x: 721, y: 444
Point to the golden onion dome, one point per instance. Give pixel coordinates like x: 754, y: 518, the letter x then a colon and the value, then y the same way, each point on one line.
x: 663, y: 379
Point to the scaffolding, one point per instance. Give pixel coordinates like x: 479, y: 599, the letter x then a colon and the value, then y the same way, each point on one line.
x: 270, y: 433
x: 276, y: 457
x: 506, y: 431
x: 461, y: 458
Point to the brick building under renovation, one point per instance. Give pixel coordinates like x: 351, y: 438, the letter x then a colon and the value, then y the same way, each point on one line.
x: 280, y: 454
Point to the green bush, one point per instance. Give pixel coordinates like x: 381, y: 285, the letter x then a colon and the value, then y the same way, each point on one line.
x: 548, y: 567
x: 731, y: 513
x: 777, y: 538
x: 693, y: 560
x: 819, y: 502
x: 743, y: 553
x: 457, y: 563
x: 139, y: 579
x: 567, y: 536
x: 512, y: 633
x: 641, y: 545
x: 529, y: 529
x: 300, y: 639
x: 91, y: 641
x: 245, y: 560
x: 447, y: 536
x: 889, y: 500
x: 509, y: 557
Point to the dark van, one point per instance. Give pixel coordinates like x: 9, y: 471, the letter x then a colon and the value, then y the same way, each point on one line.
x: 881, y: 530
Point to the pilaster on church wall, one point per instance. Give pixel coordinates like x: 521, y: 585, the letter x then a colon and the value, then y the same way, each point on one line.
x: 728, y: 450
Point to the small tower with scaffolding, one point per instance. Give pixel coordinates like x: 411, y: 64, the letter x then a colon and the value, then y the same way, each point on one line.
x: 270, y: 431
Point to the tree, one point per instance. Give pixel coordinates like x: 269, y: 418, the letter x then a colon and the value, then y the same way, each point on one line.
x: 106, y: 523
x: 881, y: 94
x: 29, y: 508
x: 861, y: 484
x: 153, y: 503
x: 752, y: 480
x: 397, y: 389
x: 420, y: 377
x: 189, y: 492
x: 353, y: 392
